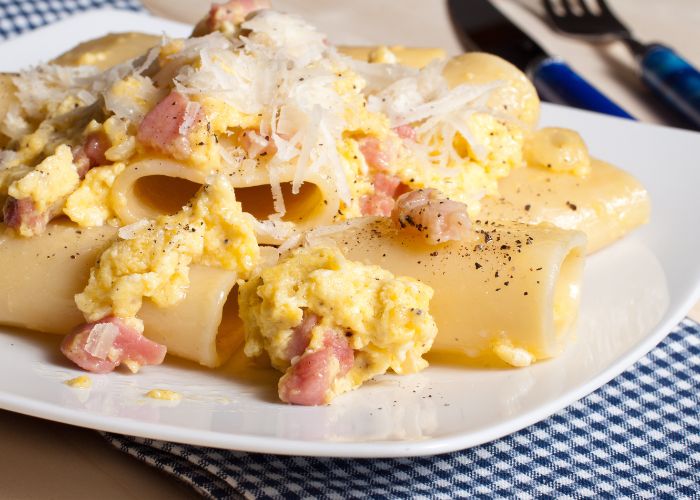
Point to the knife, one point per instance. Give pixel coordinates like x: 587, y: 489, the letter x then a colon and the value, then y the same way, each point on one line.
x: 479, y: 22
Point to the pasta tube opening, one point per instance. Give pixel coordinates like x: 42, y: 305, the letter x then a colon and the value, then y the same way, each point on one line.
x: 258, y: 201
x: 228, y: 336
x: 567, y: 294
x: 161, y: 194
x: 204, y: 326
x: 156, y: 187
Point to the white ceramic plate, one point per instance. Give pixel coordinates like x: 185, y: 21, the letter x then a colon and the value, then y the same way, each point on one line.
x: 634, y: 293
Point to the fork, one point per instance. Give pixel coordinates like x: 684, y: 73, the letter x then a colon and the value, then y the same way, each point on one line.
x: 664, y: 71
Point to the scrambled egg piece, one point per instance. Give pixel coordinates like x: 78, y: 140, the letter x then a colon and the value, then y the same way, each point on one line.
x: 164, y: 395
x: 502, y: 144
x: 10, y: 175
x: 514, y: 356
x: 153, y: 258
x: 89, y: 205
x: 475, y: 172
x: 51, y: 180
x: 31, y: 145
x: 81, y: 382
x: 385, y: 319
x: 123, y: 143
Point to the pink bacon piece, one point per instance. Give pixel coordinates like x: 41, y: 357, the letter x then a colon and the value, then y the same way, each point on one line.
x: 439, y: 219
x: 377, y: 158
x: 381, y: 202
x: 101, y: 346
x: 308, y: 381
x: 167, y: 126
x: 232, y: 13
x: 23, y: 213
x: 91, y: 153
x: 406, y: 132
x: 301, y: 335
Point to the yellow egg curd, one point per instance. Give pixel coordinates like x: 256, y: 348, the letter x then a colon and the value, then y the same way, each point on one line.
x: 384, y: 318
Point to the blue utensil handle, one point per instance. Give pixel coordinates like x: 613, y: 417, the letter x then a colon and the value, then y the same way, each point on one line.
x: 674, y: 79
x: 556, y: 82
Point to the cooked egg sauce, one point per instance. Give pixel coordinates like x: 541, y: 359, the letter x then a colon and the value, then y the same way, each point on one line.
x: 152, y: 257
x: 386, y: 319
x: 283, y: 83
x: 310, y: 105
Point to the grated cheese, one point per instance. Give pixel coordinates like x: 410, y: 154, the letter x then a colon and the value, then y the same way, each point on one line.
x: 132, y: 230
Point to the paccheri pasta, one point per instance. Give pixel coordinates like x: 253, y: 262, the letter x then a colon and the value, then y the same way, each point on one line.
x: 339, y: 212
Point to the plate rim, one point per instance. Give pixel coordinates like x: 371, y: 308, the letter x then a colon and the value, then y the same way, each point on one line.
x: 672, y: 317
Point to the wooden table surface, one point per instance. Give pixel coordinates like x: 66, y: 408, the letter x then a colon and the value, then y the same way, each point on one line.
x: 42, y: 459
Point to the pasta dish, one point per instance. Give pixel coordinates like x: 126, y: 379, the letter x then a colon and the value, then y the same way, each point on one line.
x: 335, y: 212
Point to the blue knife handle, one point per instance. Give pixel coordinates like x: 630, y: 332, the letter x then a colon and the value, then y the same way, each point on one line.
x: 556, y: 82
x: 674, y: 79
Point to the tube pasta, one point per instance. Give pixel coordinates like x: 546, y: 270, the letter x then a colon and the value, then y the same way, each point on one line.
x: 606, y: 204
x: 514, y: 292
x: 609, y: 202
x: 518, y: 98
x: 204, y: 327
x: 154, y: 187
x: 413, y: 57
x: 108, y: 50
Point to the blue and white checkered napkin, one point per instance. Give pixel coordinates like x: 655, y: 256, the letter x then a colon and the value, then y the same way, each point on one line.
x: 19, y: 16
x: 638, y: 436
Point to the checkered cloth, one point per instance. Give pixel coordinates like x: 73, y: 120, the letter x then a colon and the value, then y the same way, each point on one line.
x: 18, y: 16
x: 638, y: 436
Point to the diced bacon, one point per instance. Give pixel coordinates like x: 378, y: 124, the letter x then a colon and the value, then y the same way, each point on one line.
x: 22, y: 213
x: 95, y: 147
x: 376, y: 156
x: 301, y: 335
x: 381, y: 202
x: 227, y: 15
x: 438, y: 219
x: 376, y: 204
x: 386, y: 184
x: 101, y: 346
x: 234, y: 11
x: 406, y: 132
x: 341, y: 350
x: 167, y: 126
x: 308, y: 381
x: 91, y: 153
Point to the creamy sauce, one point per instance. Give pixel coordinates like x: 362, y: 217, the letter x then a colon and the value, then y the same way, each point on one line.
x: 606, y: 204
